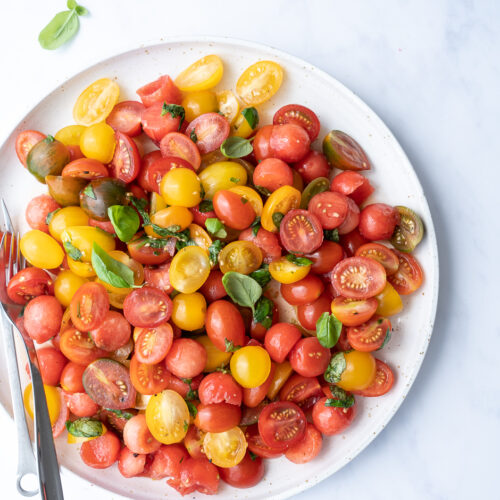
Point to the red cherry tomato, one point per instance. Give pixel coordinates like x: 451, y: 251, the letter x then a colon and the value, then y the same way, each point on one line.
x: 272, y: 173
x: 312, y: 166
x: 161, y: 90
x: 148, y: 159
x: 282, y: 424
x: 304, y: 291
x: 331, y: 420
x: 261, y: 147
x: 358, y: 278
x: 79, y: 347
x: 75, y: 152
x: 308, y: 314
x: 167, y: 461
x: 126, y: 118
x: 200, y: 217
x: 308, y: 448
x: 28, y: 283
x: 158, y: 277
x: 113, y: 333
x: 219, y: 387
x: 213, y: 289
x: 85, y: 168
x: 301, y: 231
x: 71, y: 378
x: 42, y: 318
x: 309, y: 358
x: 101, y: 452
x: 330, y: 208
x: 131, y: 464
x: 126, y: 162
x: 257, y: 445
x: 153, y: 344
x: 253, y: 397
x: 89, y: 306
x: 210, y: 130
x: 81, y: 405
x: 383, y: 382
x: 181, y: 146
x: 156, y: 123
x: 299, y: 389
x: 280, y: 339
x: 409, y: 276
x: 378, y: 221
x: 51, y: 363
x: 289, y: 142
x: 25, y: 141
x: 381, y: 254
x: 326, y: 257
x: 352, y: 184
x: 38, y: 209
x: 105, y: 225
x: 369, y: 336
x: 186, y: 358
x: 268, y: 242
x: 351, y: 220
x: 219, y: 417
x: 352, y: 241
x: 140, y: 251
x: 224, y: 322
x: 196, y: 474
x: 244, y: 475
x: 147, y: 307
x: 298, y: 115
x: 148, y: 379
x: 233, y: 210
x: 352, y: 312
x: 137, y: 437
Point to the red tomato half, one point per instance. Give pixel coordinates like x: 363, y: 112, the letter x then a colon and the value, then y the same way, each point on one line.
x: 113, y: 333
x: 309, y: 358
x: 210, y: 129
x: 244, y: 475
x: 196, y: 474
x: 352, y: 184
x: 85, y: 168
x: 141, y: 251
x: 126, y: 162
x: 161, y: 90
x: 28, y: 283
x: 381, y: 254
x: 233, y: 210
x: 101, y: 452
x: 280, y: 339
x: 257, y: 445
x: 378, y: 221
x: 79, y: 347
x: 351, y: 220
x: 331, y: 420
x: 298, y: 389
x: 304, y: 291
x: 25, y: 141
x: 330, y: 208
x: 148, y: 379
x: 301, y: 232
x: 158, y: 277
x: 299, y: 115
x: 352, y: 312
x: 268, y: 242
x: 153, y: 344
x: 272, y: 174
x: 38, y: 209
x: 156, y: 123
x: 384, y: 380
x: 308, y: 448
x: 219, y: 387
x: 126, y: 118
x: 181, y: 146
x: 89, y: 306
x: 369, y: 336
x: 409, y: 276
x: 147, y: 307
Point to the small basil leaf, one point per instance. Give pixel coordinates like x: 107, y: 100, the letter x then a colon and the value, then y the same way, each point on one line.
x: 73, y: 252
x: 125, y: 221
x: 89, y: 191
x: 262, y: 276
x: 328, y: 329
x: 255, y: 225
x: 62, y: 28
x: 243, y: 290
x: 253, y: 456
x: 236, y: 180
x: 213, y: 251
x: 387, y: 338
x: 50, y: 215
x: 298, y: 261
x: 251, y: 116
x: 331, y: 235
x: 175, y: 111
x: 215, y: 227
x: 110, y: 270
x: 206, y: 206
x: 264, y: 312
x: 85, y: 427
x: 193, y: 411
x: 341, y: 399
x: 236, y: 147
x: 230, y: 347
x: 335, y: 368
x: 193, y: 136
x: 81, y: 11
x: 120, y: 413
x: 71, y: 4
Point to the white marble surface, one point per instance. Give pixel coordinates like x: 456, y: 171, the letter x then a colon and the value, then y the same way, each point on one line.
x: 431, y: 70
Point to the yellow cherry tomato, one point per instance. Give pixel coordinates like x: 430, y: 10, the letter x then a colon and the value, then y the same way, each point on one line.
x: 189, y: 311
x: 175, y: 218
x: 70, y: 135
x: 83, y: 269
x: 282, y: 200
x: 67, y: 217
x: 181, y: 187
x: 389, y: 302
x: 41, y: 250
x: 222, y: 175
x: 246, y: 122
x: 189, y: 269
x: 284, y: 271
x: 53, y: 401
x: 65, y: 286
x: 250, y: 366
x: 251, y: 196
x: 198, y: 103
x: 225, y: 449
x: 96, y: 102
x: 84, y: 237
x: 282, y: 372
x: 98, y: 142
x: 80, y: 439
x: 156, y: 203
x: 228, y: 104
x: 200, y: 236
x: 215, y: 357
x: 167, y: 417
x: 132, y: 264
x: 259, y: 82
x: 359, y: 371
x: 201, y: 75
x: 241, y: 256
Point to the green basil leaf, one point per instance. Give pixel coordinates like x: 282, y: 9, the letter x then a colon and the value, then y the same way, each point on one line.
x: 387, y: 338
x: 277, y: 218
x: 298, y: 261
x: 73, y: 252
x: 89, y: 191
x: 264, y: 312
x: 120, y: 413
x: 125, y: 221
x: 341, y: 399
x: 262, y: 276
x: 236, y: 147
x: 85, y: 427
x: 193, y: 136
x: 175, y: 111
x: 263, y: 190
x: 251, y: 116
x: 206, y: 206
x: 230, y: 347
x: 335, y: 368
x: 253, y: 456
x: 49, y: 139
x: 50, y: 215
x: 213, y: 251
x: 71, y: 4
x: 255, y: 225
x: 243, y: 290
x: 236, y: 180
x: 328, y: 329
x: 81, y: 10
x: 193, y: 411
x: 215, y: 227
x: 62, y: 28
x: 331, y: 235
x: 110, y: 270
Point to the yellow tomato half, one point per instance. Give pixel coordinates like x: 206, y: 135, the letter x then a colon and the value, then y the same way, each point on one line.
x: 98, y: 142
x: 65, y: 286
x: 225, y: 449
x: 189, y: 310
x: 251, y: 196
x: 198, y: 103
x: 259, y: 82
x: 203, y: 74
x: 52, y: 397
x: 96, y: 102
x: 240, y: 256
x: 284, y: 271
x: 228, y: 104
x: 189, y: 269
x: 282, y: 200
x: 359, y: 371
x: 389, y: 302
x: 67, y: 217
x: 222, y: 175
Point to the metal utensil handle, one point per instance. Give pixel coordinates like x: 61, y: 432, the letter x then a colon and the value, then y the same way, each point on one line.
x: 26, y: 463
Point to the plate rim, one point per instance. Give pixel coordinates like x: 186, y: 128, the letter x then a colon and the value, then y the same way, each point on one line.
x: 405, y: 163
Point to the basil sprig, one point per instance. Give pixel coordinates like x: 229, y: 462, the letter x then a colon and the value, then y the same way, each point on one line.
x: 264, y: 312
x: 335, y: 368
x: 242, y: 289
x: 255, y: 225
x: 328, y: 329
x: 85, y: 427
x: 110, y: 270
x: 125, y: 221
x: 63, y: 26
x: 341, y: 398
x: 298, y: 261
x: 262, y: 275
x: 236, y: 147
x: 213, y: 251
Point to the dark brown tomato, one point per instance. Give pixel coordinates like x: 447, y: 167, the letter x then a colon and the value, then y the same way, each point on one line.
x: 344, y: 152
x: 100, y: 194
x: 312, y: 166
x: 47, y: 157
x: 65, y: 190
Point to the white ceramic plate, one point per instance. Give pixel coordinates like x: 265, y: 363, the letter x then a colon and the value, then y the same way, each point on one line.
x: 395, y: 182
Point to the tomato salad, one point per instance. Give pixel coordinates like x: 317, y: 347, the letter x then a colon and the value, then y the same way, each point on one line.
x: 153, y: 278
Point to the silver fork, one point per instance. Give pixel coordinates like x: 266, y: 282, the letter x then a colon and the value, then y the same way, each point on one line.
x: 45, y: 465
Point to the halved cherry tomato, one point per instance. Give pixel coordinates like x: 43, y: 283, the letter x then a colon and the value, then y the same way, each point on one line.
x: 101, y: 452
x: 181, y: 146
x: 299, y: 115
x: 240, y: 256
x: 298, y: 389
x: 281, y: 201
x: 28, y: 283
x: 189, y: 269
x: 201, y: 75
x: 251, y: 196
x: 257, y: 445
x: 141, y: 249
x: 309, y: 358
x: 312, y: 166
x: 331, y: 420
x: 378, y: 221
x: 381, y: 254
x: 267, y: 242
x: 352, y: 184
x: 79, y: 347
x: 228, y: 105
x: 219, y: 387
x: 126, y: 162
x: 308, y: 314
x: 389, y: 301
x: 196, y: 474
x: 158, y: 277
x: 161, y: 90
x: 344, y: 152
x: 305, y: 291
x: 37, y: 211
x: 95, y: 103
x: 301, y: 232
x: 326, y: 257
x: 186, y: 358
x: 245, y: 474
x: 353, y: 312
x: 409, y: 276
x: 147, y: 307
x: 259, y: 82
x: 358, y: 277
x: 85, y: 168
x: 156, y: 123
x: 152, y: 173
x: 233, y: 210
x: 330, y: 208
x: 285, y: 271
x: 126, y: 118
x: 113, y: 333
x: 224, y: 322
x: 272, y: 173
x: 308, y: 448
x: 369, y: 336
x: 351, y: 220
x: 25, y: 141
x: 89, y: 306
x: 280, y: 339
x: 282, y: 424
x: 219, y: 417
x: 210, y: 130
x: 153, y: 344
x: 148, y: 379
x: 382, y: 383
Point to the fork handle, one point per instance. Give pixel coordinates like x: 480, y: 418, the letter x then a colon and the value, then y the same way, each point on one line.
x: 26, y: 463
